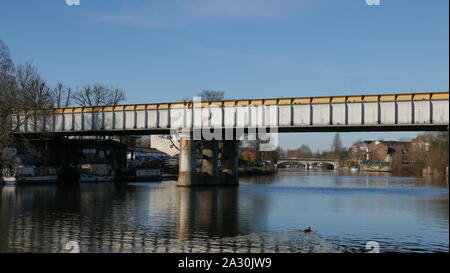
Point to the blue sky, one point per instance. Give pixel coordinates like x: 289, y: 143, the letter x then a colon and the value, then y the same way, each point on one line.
x: 168, y: 50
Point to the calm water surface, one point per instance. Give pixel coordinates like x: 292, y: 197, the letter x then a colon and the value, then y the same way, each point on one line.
x: 263, y: 214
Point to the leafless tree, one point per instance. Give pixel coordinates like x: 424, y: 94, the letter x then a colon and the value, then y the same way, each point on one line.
x: 6, y: 92
x: 6, y: 64
x: 98, y: 95
x: 302, y: 152
x: 6, y: 77
x: 32, y: 90
x: 62, y: 95
x: 211, y: 95
x: 89, y: 96
x: 21, y: 88
x: 337, y: 147
x: 116, y: 95
x: 208, y: 95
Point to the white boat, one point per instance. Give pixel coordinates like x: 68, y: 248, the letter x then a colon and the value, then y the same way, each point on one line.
x: 9, y: 179
x: 8, y: 176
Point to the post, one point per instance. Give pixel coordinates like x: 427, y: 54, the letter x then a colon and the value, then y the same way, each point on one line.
x: 230, y: 162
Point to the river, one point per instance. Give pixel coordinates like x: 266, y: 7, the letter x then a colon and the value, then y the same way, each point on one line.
x: 263, y: 214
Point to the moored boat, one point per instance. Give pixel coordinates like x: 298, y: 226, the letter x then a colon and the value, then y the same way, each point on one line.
x: 96, y: 173
x: 8, y: 176
x: 29, y: 175
x: 142, y: 175
x: 142, y: 168
x: 85, y: 177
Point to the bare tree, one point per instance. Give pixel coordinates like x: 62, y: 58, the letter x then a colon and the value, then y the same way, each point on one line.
x: 88, y: 96
x: 115, y: 96
x: 208, y: 95
x: 303, y: 152
x: 336, y: 146
x: 6, y: 93
x: 211, y: 95
x: 62, y: 95
x: 6, y: 78
x: 98, y: 95
x: 21, y: 88
x: 6, y: 64
x: 31, y: 88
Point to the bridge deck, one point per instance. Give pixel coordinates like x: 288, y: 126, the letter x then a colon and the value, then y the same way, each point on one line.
x: 389, y: 112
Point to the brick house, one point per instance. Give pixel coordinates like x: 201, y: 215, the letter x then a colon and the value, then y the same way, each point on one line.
x: 359, y: 152
x: 379, y: 151
x: 383, y: 151
x: 419, y: 143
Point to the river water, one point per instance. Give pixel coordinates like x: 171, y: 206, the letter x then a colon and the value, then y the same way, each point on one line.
x: 263, y: 214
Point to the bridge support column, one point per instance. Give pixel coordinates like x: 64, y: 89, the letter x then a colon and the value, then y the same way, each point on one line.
x: 209, y: 167
x: 187, y: 174
x: 209, y: 173
x: 230, y: 158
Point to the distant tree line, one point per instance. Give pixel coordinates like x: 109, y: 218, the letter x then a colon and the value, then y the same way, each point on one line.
x: 336, y: 151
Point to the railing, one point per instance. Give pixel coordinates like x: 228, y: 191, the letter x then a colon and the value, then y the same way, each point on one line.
x: 377, y: 164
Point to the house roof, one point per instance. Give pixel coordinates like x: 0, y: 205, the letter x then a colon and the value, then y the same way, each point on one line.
x: 393, y: 142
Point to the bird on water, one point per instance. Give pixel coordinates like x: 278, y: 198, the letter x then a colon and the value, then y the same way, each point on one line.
x: 307, y: 229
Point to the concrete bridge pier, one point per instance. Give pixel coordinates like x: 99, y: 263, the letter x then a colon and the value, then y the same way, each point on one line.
x: 187, y: 173
x: 209, y: 174
x: 230, y: 156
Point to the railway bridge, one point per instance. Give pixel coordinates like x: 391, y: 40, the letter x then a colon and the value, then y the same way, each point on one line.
x: 203, y: 126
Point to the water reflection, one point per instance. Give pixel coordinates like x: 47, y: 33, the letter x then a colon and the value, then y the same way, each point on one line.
x: 263, y: 214
x: 114, y: 218
x: 212, y: 210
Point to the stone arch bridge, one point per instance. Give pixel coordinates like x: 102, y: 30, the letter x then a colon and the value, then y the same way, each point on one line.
x: 310, y: 161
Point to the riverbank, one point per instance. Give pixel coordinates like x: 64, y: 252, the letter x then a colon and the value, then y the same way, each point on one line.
x: 256, y: 171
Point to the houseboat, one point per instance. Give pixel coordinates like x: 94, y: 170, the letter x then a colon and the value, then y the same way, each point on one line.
x: 96, y: 173
x: 142, y: 175
x: 143, y: 168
